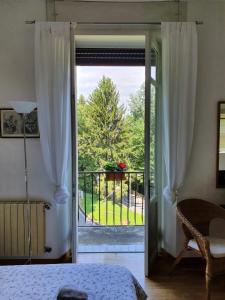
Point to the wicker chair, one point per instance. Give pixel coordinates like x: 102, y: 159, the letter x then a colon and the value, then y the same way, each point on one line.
x: 195, y: 216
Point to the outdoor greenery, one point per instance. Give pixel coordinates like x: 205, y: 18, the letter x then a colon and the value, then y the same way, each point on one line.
x: 109, y: 133
x: 102, y: 217
x: 103, y: 132
x: 93, y: 184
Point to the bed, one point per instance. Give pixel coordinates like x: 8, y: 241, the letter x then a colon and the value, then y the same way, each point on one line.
x: 43, y: 282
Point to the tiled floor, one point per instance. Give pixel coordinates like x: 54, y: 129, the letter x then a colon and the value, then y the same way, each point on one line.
x: 111, y: 239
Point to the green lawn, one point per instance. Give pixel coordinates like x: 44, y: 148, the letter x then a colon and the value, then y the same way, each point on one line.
x: 110, y: 209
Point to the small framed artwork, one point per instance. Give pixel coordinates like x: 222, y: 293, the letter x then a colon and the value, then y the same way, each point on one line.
x: 12, y: 124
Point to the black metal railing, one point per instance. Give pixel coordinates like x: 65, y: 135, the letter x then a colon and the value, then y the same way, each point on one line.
x: 111, y: 198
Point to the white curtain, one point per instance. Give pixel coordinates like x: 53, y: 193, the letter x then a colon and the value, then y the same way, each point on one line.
x: 52, y: 81
x: 179, y: 73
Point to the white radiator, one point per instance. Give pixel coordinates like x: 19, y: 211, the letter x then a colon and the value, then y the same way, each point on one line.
x: 14, y: 228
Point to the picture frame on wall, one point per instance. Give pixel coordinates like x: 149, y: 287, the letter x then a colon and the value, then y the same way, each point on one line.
x: 12, y: 124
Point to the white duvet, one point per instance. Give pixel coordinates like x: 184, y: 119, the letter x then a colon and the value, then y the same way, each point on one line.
x: 43, y: 282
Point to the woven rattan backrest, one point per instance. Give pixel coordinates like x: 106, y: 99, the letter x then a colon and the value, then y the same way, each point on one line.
x: 199, y: 213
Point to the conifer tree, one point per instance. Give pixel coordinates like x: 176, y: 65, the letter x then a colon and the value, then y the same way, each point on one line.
x: 105, y: 136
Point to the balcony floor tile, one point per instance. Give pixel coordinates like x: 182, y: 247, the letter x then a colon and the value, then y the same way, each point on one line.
x: 110, y: 239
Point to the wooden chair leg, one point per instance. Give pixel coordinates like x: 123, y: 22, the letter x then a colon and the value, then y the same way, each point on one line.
x: 208, y: 280
x: 178, y: 259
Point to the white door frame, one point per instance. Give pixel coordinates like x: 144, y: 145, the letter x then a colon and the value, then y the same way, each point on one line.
x: 147, y: 146
x: 146, y: 31
x: 74, y: 149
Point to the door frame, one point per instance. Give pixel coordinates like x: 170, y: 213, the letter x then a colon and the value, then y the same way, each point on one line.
x: 148, y: 31
x: 147, y: 149
x: 74, y: 149
x: 153, y: 206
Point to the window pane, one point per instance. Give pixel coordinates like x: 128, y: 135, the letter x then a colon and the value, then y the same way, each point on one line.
x: 153, y: 140
x: 153, y: 72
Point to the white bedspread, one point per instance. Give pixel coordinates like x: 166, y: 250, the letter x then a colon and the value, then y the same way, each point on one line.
x: 43, y: 282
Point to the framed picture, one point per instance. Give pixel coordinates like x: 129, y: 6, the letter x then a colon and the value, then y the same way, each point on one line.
x: 12, y: 124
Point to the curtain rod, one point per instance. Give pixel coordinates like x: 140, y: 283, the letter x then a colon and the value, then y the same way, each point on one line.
x: 115, y: 23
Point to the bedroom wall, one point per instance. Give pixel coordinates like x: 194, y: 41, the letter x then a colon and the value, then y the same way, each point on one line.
x: 117, y: 11
x: 17, y: 82
x: 124, y: 12
x: 201, y: 175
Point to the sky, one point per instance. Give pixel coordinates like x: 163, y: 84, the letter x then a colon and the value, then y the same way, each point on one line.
x: 127, y: 80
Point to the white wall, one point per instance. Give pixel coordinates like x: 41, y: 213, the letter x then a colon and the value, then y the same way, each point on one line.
x: 126, y: 12
x: 201, y: 176
x: 115, y: 12
x: 17, y: 82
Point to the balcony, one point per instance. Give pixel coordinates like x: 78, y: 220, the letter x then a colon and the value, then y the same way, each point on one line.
x: 111, y: 211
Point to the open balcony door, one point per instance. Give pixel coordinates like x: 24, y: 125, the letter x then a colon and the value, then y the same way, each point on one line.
x: 74, y: 150
x: 151, y: 223
x: 151, y: 228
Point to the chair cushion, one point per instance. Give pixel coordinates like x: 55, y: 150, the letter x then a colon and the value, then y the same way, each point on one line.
x: 217, y: 246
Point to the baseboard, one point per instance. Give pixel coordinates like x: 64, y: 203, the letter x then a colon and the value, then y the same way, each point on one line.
x: 65, y: 258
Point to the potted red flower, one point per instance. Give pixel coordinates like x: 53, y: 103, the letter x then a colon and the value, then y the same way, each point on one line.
x: 115, y: 171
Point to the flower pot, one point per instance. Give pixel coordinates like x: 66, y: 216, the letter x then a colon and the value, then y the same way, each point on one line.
x: 112, y: 176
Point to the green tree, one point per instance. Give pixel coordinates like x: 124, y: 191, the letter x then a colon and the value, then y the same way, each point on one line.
x: 135, y: 152
x: 85, y: 160
x: 81, y: 115
x: 137, y: 103
x: 135, y: 120
x: 136, y: 125
x: 104, y: 134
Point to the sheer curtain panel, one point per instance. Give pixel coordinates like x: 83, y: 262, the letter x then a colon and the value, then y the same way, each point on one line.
x: 52, y: 81
x: 179, y: 73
